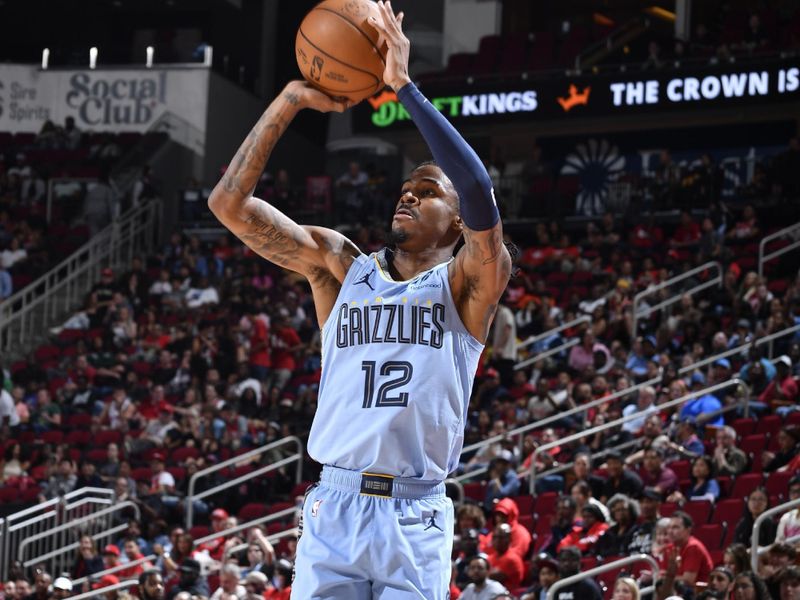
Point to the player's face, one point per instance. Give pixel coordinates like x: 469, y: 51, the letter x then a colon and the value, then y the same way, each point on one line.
x: 427, y: 208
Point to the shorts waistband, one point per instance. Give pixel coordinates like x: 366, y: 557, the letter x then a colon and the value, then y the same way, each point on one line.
x: 377, y: 484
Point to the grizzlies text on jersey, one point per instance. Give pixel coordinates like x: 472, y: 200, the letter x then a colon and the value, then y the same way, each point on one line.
x: 397, y: 372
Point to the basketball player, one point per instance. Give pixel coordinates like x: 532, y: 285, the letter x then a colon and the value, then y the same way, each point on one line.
x: 402, y: 332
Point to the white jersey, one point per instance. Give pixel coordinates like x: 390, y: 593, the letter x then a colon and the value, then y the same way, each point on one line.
x: 397, y: 372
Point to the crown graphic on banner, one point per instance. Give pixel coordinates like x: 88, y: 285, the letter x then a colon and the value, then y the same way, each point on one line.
x: 385, y: 96
x: 574, y: 97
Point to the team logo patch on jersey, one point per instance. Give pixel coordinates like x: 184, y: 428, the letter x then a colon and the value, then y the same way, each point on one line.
x: 315, y: 508
x: 365, y: 280
x: 430, y: 520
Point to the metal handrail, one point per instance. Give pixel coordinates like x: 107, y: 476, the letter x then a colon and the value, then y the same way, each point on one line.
x: 42, y: 517
x: 29, y: 313
x: 622, y: 562
x: 652, y: 289
x: 545, y: 334
x: 297, y: 457
x: 71, y: 526
x: 762, y: 245
x: 599, y: 454
x: 111, y: 570
x: 98, y: 593
x: 621, y: 420
x: 286, y: 512
x: 781, y: 508
x: 738, y: 349
x: 549, y: 352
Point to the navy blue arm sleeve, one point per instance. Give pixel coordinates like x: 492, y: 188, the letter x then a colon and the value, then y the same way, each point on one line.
x: 456, y: 158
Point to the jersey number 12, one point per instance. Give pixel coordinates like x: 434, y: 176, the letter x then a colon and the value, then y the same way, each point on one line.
x: 401, y: 372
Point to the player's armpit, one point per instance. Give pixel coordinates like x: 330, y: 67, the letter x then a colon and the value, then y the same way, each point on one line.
x: 276, y: 237
x: 478, y: 276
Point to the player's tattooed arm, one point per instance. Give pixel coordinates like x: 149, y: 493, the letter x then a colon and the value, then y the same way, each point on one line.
x: 262, y: 227
x: 478, y: 277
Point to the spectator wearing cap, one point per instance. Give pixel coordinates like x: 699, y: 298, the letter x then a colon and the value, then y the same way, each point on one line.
x: 505, y: 563
x: 107, y: 581
x: 585, y: 536
x: 656, y: 475
x: 506, y: 511
x: 161, y: 482
x: 728, y: 459
x: 503, y: 481
x: 546, y: 575
x: 216, y: 546
x: 110, y: 556
x: 620, y: 480
x: 481, y: 586
x: 569, y: 564
x: 703, y: 407
x: 617, y: 538
x: 695, y: 562
x: 643, y: 536
x: 789, y: 524
x: 781, y: 392
x: 62, y: 588
x: 190, y: 581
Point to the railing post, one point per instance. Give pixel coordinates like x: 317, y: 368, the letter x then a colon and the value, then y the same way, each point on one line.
x: 767, y: 514
x: 551, y: 593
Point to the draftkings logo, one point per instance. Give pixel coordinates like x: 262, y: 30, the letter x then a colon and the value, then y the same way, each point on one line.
x: 387, y: 109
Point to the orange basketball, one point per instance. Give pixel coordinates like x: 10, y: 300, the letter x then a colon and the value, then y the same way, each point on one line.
x: 339, y: 52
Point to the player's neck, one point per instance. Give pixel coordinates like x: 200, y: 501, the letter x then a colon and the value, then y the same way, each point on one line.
x: 405, y: 264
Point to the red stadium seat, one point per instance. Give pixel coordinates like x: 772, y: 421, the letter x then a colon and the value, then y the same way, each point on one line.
x: 300, y: 489
x: 279, y: 506
x: 8, y: 495
x: 179, y: 473
x: 524, y: 504
x: 475, y: 490
x: 199, y: 531
x: 667, y: 508
x: 181, y: 454
x: 682, y: 468
x: 78, y: 420
x: 52, y: 437
x: 778, y: 484
x: 769, y: 424
x: 107, y: 436
x: 744, y: 427
x: 745, y: 483
x: 97, y: 456
x: 711, y: 534
x: 728, y: 511
x: 252, y: 510
x: 142, y: 474
x: 699, y: 510
x: 78, y: 437
x: 545, y: 504
x: 754, y: 444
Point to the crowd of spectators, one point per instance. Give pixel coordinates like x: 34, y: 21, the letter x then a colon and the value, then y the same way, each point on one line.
x: 203, y: 350
x: 31, y: 240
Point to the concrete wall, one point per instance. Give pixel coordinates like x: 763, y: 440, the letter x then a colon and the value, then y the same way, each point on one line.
x: 466, y: 22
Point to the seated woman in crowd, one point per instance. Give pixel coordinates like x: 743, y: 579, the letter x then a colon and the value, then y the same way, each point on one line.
x: 757, y: 503
x: 704, y: 487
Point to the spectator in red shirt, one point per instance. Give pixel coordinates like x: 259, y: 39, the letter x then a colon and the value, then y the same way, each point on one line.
x: 695, y: 562
x: 783, y: 387
x: 585, y: 536
x: 506, y: 511
x: 133, y: 553
x: 260, y: 358
x: 687, y: 234
x: 285, y: 343
x: 506, y: 565
x: 219, y: 522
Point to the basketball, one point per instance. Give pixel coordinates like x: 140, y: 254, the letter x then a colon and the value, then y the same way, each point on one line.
x: 339, y: 52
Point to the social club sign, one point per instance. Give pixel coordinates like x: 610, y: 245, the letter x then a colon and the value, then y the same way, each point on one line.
x: 599, y: 96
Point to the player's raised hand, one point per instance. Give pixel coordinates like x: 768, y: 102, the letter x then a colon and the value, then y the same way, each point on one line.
x: 303, y: 95
x: 390, y: 27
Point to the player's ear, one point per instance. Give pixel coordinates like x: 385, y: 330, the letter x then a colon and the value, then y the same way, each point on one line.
x: 458, y: 224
